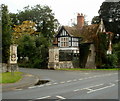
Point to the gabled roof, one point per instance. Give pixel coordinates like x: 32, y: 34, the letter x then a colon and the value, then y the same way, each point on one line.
x: 72, y: 31
x: 87, y: 32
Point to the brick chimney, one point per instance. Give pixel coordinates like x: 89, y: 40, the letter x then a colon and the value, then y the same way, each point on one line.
x: 80, y: 20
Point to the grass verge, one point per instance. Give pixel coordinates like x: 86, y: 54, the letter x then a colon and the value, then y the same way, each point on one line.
x: 76, y: 69
x: 8, y: 77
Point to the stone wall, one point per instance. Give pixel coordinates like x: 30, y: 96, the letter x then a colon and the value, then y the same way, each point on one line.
x: 8, y: 68
x: 53, y: 65
x: 54, y: 62
x: 66, y: 64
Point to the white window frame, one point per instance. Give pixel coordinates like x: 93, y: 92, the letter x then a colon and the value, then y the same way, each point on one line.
x: 64, y: 42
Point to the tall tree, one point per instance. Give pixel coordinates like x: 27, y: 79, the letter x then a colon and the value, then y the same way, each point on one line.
x: 38, y: 51
x: 110, y: 13
x: 96, y: 20
x: 6, y: 33
x: 42, y: 16
x: 27, y: 27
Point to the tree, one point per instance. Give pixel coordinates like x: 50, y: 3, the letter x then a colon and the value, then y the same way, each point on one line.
x: 100, y: 42
x: 42, y: 16
x: 96, y: 20
x: 35, y: 49
x: 116, y: 50
x: 27, y: 27
x: 6, y: 34
x: 110, y: 13
x: 26, y: 46
x: 31, y: 46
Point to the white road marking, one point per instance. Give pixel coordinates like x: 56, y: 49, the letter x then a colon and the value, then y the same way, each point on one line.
x: 86, y: 73
x: 62, y: 82
x: 89, y: 89
x: 35, y: 86
x: 98, y: 75
x: 76, y: 90
x: 116, y: 80
x: 80, y: 79
x: 49, y: 84
x: 18, y: 89
x: 74, y: 80
x: 90, y: 77
x: 60, y: 97
x: 32, y: 87
x: 93, y: 86
x: 69, y: 80
x: 85, y: 78
x: 101, y: 88
x: 44, y: 97
x: 95, y: 76
x: 40, y: 86
x: 55, y: 83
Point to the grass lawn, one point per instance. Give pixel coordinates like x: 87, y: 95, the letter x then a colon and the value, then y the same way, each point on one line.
x: 85, y: 69
x: 9, y: 78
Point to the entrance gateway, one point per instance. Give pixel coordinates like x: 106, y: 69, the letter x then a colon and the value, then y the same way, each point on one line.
x: 63, y: 58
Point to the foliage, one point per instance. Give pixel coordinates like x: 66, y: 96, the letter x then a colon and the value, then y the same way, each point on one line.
x: 111, y: 60
x: 96, y: 20
x: 9, y: 78
x: 116, y: 50
x: 41, y: 15
x: 100, y: 43
x: 32, y: 48
x: 27, y: 27
x: 6, y: 34
x: 41, y: 52
x: 110, y: 13
x: 35, y: 49
x: 26, y: 46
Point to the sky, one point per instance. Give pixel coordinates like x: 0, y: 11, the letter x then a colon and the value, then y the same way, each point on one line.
x: 65, y: 10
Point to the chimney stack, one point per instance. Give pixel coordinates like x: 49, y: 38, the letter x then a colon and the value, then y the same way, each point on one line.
x: 80, y: 20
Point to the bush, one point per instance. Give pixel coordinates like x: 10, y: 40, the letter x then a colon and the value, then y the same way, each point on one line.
x: 111, y: 61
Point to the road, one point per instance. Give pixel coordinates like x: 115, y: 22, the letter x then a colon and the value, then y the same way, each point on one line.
x: 69, y: 85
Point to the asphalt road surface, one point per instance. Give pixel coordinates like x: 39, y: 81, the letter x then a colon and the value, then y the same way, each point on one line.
x: 69, y: 85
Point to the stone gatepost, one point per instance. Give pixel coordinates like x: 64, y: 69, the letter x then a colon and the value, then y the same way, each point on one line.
x: 91, y: 58
x: 13, y: 58
x: 53, y: 58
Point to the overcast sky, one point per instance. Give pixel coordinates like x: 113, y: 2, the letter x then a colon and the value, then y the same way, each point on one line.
x: 64, y: 10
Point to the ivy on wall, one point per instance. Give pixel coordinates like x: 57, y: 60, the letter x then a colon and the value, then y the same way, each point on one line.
x: 101, y: 46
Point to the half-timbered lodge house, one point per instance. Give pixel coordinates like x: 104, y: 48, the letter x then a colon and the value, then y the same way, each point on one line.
x: 69, y: 45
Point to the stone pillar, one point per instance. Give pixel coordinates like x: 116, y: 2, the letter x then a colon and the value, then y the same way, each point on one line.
x: 91, y: 58
x: 53, y: 58
x: 13, y: 58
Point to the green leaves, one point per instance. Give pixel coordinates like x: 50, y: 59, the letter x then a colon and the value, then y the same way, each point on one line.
x: 110, y: 13
x: 42, y: 16
x: 36, y: 49
x: 6, y: 34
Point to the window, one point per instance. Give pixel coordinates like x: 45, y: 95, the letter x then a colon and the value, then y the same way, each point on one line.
x: 64, y: 42
x: 58, y: 39
x: 63, y: 33
x: 74, y: 43
x: 58, y: 44
x: 74, y: 39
